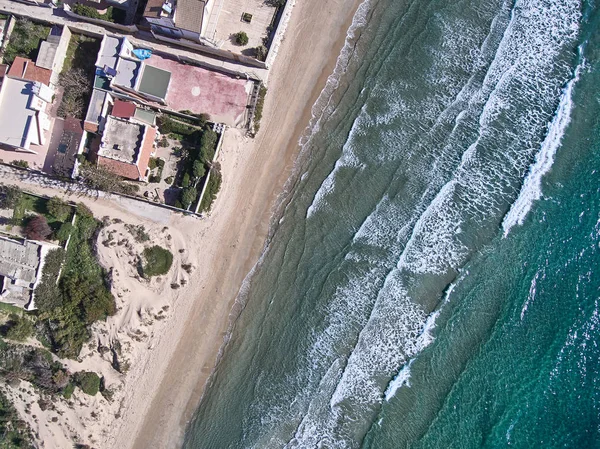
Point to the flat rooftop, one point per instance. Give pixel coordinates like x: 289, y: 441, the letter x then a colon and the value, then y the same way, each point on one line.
x: 109, y: 52
x: 121, y: 140
x: 17, y: 119
x: 155, y: 81
x: 19, y: 260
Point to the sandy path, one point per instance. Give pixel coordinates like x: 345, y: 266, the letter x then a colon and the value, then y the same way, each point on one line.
x: 254, y: 174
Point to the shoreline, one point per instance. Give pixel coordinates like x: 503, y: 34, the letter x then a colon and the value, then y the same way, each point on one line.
x: 171, y: 387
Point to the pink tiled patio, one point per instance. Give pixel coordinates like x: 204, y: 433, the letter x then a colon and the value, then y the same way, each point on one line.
x: 201, y: 90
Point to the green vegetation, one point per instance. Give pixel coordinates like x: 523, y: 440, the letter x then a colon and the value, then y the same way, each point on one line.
x: 261, y: 53
x: 156, y: 163
x: 81, y: 297
x: 9, y: 197
x: 20, y: 163
x: 241, y: 38
x: 18, y: 327
x: 59, y: 209
x: 157, y: 261
x: 25, y: 40
x: 199, y: 147
x: 68, y: 390
x: 260, y: 103
x: 77, y: 76
x: 63, y: 233
x: 100, y: 178
x: 14, y: 432
x: 138, y: 232
x: 214, y: 184
x: 35, y: 365
x: 114, y: 15
x: 88, y: 381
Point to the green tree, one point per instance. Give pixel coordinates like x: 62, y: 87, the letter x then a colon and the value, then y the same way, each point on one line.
x: 241, y: 38
x: 59, y: 209
x: 188, y: 196
x: 18, y: 328
x: 199, y: 169
x: 9, y: 197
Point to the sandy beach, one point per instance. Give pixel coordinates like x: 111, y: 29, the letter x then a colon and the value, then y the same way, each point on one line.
x: 171, y: 336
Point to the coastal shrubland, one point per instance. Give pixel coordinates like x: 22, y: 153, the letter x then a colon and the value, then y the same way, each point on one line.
x: 66, y: 309
x: 14, y: 432
x: 156, y: 261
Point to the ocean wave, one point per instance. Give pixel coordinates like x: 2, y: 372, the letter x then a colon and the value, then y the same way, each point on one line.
x: 531, y: 191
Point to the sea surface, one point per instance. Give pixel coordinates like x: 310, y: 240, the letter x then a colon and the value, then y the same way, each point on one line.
x: 433, y: 275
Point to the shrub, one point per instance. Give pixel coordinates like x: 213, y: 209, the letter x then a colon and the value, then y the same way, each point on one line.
x: 21, y: 163
x: 152, y: 163
x: 158, y: 261
x: 169, y: 180
x: 37, y: 228
x: 59, y: 209
x: 258, y: 110
x: 241, y: 38
x: 208, y: 145
x: 185, y: 182
x: 214, y: 184
x: 261, y: 53
x: 163, y: 143
x: 83, y: 211
x: 68, y: 390
x: 88, y: 381
x: 64, y: 232
x: 18, y: 328
x: 138, y: 232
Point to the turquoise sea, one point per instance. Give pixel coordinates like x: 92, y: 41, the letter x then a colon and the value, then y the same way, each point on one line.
x: 433, y: 275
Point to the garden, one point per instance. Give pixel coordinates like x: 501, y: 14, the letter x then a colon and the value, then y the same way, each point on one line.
x: 77, y: 76
x: 25, y: 40
x: 194, y: 144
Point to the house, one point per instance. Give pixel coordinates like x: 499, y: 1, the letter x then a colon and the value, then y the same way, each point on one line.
x: 21, y: 265
x: 178, y: 19
x: 121, y: 69
x: 126, y: 147
x: 24, y: 123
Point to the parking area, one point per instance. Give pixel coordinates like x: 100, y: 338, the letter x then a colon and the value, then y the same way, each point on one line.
x: 201, y: 90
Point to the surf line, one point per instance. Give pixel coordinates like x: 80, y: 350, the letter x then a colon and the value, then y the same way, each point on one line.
x: 531, y: 191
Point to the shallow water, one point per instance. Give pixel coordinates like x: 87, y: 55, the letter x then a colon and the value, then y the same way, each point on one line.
x: 433, y: 280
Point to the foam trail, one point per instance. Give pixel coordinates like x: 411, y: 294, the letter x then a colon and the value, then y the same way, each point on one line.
x: 531, y: 190
x: 403, y: 378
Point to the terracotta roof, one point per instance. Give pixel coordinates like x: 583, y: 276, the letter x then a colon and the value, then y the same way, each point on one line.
x: 129, y: 170
x: 147, y: 148
x: 123, y: 109
x: 26, y: 69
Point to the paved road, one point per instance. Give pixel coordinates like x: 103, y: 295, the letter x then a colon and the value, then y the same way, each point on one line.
x: 58, y: 17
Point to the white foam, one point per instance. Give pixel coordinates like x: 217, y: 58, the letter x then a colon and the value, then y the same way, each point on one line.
x: 401, y: 379
x: 531, y: 190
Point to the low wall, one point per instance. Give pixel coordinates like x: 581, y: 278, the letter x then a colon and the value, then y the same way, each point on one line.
x: 223, y: 54
x: 280, y: 32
